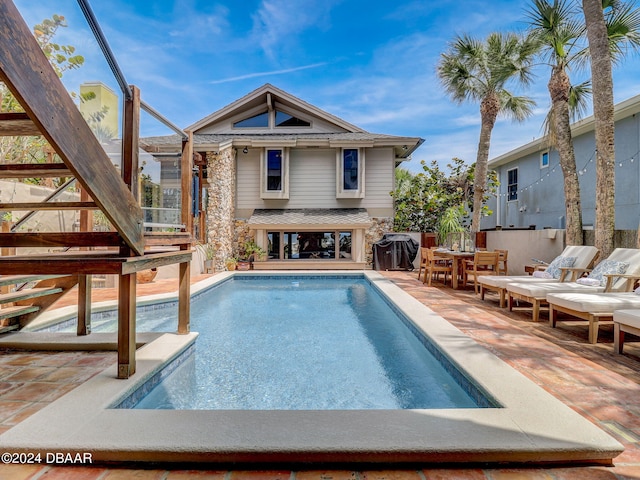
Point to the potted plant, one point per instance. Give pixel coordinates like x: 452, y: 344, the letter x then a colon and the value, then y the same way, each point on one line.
x: 450, y: 228
x: 231, y: 263
x: 209, y: 253
x: 253, y: 252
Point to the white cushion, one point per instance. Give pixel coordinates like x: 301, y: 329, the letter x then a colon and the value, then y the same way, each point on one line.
x: 500, y: 281
x: 541, y: 289
x: 595, y: 303
x: 627, y: 317
x: 584, y: 254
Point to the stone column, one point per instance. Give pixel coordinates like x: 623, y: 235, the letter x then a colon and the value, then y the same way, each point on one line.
x: 221, y: 173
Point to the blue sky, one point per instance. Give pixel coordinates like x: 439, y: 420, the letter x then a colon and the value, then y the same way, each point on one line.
x: 370, y: 62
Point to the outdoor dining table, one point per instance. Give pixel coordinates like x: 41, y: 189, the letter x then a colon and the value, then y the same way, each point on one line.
x: 456, y: 256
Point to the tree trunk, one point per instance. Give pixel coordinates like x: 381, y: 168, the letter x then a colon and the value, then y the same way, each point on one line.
x: 602, y: 81
x: 559, y: 86
x: 489, y: 108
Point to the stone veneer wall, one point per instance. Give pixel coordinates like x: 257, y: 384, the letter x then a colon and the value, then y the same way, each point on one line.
x: 379, y: 226
x: 221, y: 174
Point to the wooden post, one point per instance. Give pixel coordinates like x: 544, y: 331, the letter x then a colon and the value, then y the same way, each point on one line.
x: 186, y: 164
x: 126, y: 322
x: 127, y: 283
x: 84, y: 305
x: 130, y: 137
x: 83, y: 326
x: 184, y: 295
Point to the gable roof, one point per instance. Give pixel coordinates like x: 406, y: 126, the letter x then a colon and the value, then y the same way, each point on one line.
x: 268, y: 95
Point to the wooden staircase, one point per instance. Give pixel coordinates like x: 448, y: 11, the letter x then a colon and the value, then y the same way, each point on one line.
x: 50, y: 112
x: 23, y: 301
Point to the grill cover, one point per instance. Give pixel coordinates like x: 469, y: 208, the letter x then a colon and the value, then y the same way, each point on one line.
x: 395, y: 251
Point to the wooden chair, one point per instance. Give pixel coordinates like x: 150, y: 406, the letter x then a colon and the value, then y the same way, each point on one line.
x: 436, y: 264
x: 484, y: 263
x: 502, y: 261
x: 423, y: 260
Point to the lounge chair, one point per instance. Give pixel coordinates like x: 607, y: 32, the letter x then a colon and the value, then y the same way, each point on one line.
x: 607, y: 281
x: 584, y: 257
x: 624, y: 321
x: 596, y: 308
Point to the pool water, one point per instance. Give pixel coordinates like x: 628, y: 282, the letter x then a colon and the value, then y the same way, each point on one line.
x: 298, y: 343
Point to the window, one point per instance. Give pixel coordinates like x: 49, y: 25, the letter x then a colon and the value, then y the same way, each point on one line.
x: 350, y: 173
x: 285, y: 120
x: 305, y: 245
x: 544, y: 159
x: 512, y: 184
x: 274, y: 170
x: 274, y: 181
x: 257, y: 121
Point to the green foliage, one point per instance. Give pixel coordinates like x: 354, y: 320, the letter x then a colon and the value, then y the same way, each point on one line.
x: 420, y: 200
x: 251, y: 248
x: 450, y: 222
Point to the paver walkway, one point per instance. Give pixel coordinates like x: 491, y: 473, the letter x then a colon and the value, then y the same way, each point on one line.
x: 603, y: 387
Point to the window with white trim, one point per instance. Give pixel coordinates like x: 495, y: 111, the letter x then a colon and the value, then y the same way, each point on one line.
x: 274, y: 173
x: 544, y: 159
x: 350, y: 173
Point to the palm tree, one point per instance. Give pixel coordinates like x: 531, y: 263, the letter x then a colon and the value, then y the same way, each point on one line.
x: 559, y: 34
x: 612, y: 27
x: 477, y: 71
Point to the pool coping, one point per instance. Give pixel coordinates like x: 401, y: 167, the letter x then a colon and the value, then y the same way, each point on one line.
x: 532, y: 427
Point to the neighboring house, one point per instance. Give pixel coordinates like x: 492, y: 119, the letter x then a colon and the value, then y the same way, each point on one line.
x: 305, y: 184
x: 531, y: 192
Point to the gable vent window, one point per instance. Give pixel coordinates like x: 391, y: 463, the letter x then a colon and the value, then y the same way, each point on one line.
x: 350, y: 173
x: 286, y: 120
x: 274, y: 174
x: 257, y: 121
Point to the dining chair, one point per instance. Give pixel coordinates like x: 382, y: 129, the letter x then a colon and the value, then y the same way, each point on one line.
x: 484, y: 263
x: 502, y: 261
x: 436, y: 264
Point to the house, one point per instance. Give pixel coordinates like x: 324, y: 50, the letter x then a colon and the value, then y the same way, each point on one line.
x: 531, y: 192
x: 310, y: 188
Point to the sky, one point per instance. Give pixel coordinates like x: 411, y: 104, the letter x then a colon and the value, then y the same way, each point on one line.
x: 370, y: 62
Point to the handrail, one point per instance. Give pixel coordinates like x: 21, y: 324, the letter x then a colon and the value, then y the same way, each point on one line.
x: 53, y: 195
x: 104, y: 46
x: 155, y: 114
x: 115, y: 68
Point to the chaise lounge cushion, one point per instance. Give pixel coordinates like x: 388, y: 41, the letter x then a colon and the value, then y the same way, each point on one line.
x: 598, y: 303
x: 541, y: 290
x: 584, y: 255
x: 627, y: 317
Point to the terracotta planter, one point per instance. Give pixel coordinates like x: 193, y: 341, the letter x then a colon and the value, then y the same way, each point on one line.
x: 146, y: 276
x: 243, y: 265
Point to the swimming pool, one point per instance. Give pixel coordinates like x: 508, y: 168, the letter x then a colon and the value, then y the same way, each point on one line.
x: 530, y: 425
x: 296, y: 343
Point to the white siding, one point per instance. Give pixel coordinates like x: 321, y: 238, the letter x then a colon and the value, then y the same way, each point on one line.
x: 312, y: 180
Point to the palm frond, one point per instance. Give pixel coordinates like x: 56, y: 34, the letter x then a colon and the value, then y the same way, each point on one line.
x: 517, y: 108
x: 579, y: 96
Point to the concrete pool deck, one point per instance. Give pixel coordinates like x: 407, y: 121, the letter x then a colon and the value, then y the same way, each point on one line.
x: 488, y: 325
